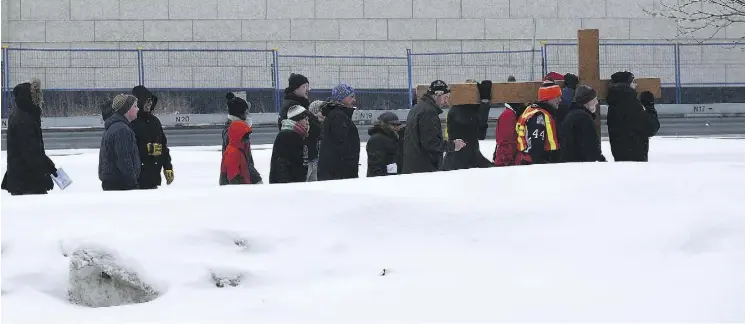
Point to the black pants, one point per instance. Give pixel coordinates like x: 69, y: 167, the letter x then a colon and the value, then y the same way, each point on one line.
x: 109, y: 185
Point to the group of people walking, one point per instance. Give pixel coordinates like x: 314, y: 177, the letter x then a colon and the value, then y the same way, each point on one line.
x: 319, y: 141
x: 561, y: 127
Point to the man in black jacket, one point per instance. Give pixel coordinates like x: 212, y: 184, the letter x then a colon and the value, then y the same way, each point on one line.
x: 382, y: 147
x: 151, y: 141
x: 29, y: 167
x: 577, y: 134
x: 118, y: 159
x: 468, y: 122
x: 631, y: 121
x: 339, y: 157
x: 424, y: 144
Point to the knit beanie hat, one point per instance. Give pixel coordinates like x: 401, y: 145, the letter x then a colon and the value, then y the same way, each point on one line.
x: 389, y: 118
x: 584, y: 95
x: 236, y: 105
x: 622, y: 77
x: 341, y: 91
x: 511, y: 78
x: 315, y: 106
x: 122, y: 103
x: 106, y: 110
x: 295, y: 81
x: 437, y: 86
x: 571, y: 80
x: 548, y: 90
x: 296, y: 113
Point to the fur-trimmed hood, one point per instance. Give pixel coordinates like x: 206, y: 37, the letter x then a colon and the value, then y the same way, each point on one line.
x: 28, y: 96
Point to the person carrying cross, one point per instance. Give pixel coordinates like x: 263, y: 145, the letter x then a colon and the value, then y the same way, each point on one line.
x: 537, y: 133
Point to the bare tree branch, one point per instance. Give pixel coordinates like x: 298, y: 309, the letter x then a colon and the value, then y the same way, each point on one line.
x: 694, y: 16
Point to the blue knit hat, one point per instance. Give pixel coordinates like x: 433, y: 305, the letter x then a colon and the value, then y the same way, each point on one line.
x: 341, y: 91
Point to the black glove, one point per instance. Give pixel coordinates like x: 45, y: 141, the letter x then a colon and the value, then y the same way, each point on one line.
x: 647, y: 98
x: 485, y: 90
x: 54, y: 172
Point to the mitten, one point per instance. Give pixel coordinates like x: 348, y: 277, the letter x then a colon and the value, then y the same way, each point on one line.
x: 169, y: 176
x: 647, y: 98
x: 154, y: 149
x: 485, y: 90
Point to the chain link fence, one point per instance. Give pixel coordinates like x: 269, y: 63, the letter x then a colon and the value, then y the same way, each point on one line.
x: 77, y: 81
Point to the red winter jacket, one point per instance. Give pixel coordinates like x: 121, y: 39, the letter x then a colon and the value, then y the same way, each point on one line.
x: 234, y: 166
x: 506, y: 138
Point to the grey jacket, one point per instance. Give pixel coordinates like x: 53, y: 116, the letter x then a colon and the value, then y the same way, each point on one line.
x: 119, y: 160
x: 424, y: 144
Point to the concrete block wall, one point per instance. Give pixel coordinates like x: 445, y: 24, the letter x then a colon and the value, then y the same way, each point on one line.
x: 341, y: 27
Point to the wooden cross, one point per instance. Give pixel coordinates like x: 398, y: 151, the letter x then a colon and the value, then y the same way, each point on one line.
x: 589, y: 74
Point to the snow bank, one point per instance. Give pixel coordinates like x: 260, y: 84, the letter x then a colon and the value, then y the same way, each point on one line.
x: 601, y: 241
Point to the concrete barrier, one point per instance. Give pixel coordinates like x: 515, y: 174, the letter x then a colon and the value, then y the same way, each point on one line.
x: 364, y: 117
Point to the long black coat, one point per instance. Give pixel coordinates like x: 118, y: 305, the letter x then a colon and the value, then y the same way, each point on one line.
x: 578, y: 137
x: 29, y: 167
x: 382, y: 150
x: 464, y: 122
x: 424, y: 144
x: 148, y: 129
x: 339, y: 157
x: 314, y: 132
x: 287, y: 158
x: 630, y: 124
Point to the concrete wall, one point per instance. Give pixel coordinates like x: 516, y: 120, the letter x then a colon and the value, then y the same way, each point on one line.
x: 340, y: 27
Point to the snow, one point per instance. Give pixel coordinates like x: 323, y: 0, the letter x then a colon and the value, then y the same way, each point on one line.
x: 574, y: 242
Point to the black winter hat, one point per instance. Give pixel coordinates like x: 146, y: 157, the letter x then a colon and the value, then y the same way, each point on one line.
x: 571, y: 80
x: 438, y: 85
x: 389, y: 118
x: 584, y: 95
x: 143, y: 94
x: 622, y: 77
x: 295, y: 81
x: 237, y: 106
x: 511, y: 78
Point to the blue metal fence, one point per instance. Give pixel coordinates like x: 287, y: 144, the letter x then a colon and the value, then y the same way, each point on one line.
x: 381, y: 82
x: 195, y: 80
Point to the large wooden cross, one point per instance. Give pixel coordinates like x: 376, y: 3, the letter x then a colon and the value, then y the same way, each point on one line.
x: 589, y: 74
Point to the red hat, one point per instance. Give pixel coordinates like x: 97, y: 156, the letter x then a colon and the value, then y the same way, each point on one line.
x: 549, y: 90
x: 553, y: 76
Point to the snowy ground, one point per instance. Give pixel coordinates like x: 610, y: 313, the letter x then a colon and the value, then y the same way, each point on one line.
x: 601, y: 241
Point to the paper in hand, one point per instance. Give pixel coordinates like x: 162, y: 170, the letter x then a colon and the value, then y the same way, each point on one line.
x: 62, y: 180
x: 392, y: 168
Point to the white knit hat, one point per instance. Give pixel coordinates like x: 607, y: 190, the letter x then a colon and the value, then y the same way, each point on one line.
x: 296, y: 112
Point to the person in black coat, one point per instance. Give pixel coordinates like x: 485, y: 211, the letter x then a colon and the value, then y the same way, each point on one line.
x: 383, y: 146
x: 339, y: 157
x: 468, y: 122
x: 151, y: 141
x: 29, y: 168
x: 296, y: 94
x: 424, y: 144
x: 287, y: 163
x: 400, y: 157
x: 577, y: 133
x: 631, y: 121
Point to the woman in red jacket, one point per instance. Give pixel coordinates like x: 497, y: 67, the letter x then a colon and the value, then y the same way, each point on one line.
x: 234, y: 165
